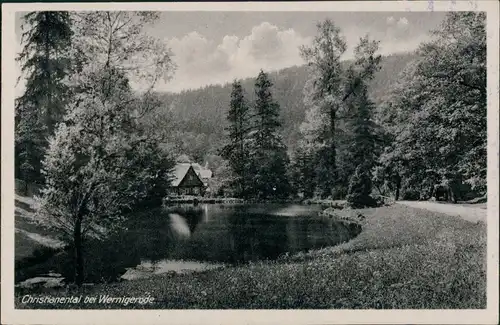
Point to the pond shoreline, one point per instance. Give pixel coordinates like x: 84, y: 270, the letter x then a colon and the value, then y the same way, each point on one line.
x: 278, y: 222
x: 209, y: 200
x: 401, y: 254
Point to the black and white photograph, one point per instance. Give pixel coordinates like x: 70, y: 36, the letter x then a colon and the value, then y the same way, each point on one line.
x: 256, y: 158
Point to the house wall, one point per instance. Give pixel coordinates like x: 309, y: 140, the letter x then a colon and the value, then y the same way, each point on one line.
x: 189, y: 190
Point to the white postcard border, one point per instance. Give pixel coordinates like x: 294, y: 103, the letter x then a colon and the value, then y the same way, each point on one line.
x: 18, y: 316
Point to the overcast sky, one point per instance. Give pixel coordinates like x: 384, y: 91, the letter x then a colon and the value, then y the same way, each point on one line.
x: 217, y: 47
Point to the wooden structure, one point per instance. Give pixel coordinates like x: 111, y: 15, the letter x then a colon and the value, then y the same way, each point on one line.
x: 186, y: 181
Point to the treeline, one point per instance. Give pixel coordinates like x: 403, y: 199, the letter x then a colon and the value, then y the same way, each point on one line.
x: 425, y: 138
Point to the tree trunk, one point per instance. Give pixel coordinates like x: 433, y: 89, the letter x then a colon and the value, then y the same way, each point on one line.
x: 398, y: 187
x: 78, y: 250
x: 433, y: 192
x: 451, y: 195
x: 333, y: 152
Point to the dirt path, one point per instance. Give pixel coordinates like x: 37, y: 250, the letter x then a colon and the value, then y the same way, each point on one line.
x: 472, y: 213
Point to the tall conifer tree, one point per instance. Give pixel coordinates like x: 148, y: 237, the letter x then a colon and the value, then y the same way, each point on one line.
x: 269, y: 155
x: 44, y: 61
x: 236, y: 151
x: 362, y: 149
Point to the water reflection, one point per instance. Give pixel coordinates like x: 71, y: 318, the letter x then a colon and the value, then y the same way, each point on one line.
x: 242, y: 233
x: 186, y: 215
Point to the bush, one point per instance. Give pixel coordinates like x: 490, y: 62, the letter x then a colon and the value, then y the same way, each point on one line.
x: 410, y: 194
x: 360, y: 187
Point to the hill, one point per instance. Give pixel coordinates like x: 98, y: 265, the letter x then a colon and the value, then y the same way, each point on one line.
x: 199, y: 116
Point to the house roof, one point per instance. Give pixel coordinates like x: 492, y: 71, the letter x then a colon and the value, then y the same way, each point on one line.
x: 180, y: 170
x: 202, y: 171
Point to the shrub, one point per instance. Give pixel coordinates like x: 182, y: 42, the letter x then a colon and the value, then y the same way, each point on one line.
x: 410, y: 194
x: 360, y: 187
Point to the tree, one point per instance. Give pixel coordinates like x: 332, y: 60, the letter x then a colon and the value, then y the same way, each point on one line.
x: 236, y: 151
x: 222, y: 182
x: 103, y: 163
x: 360, y: 187
x: 100, y: 166
x: 456, y: 59
x: 209, y: 105
x: 269, y: 160
x: 388, y: 172
x: 331, y: 86
x: 437, y: 113
x: 367, y: 135
x: 45, y: 63
x: 362, y: 147
x: 303, y: 169
x: 118, y: 39
x: 324, y: 59
x: 29, y: 145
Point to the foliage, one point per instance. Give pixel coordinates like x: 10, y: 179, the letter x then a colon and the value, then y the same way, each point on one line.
x: 360, y: 188
x: 324, y: 59
x: 118, y: 39
x: 335, y: 93
x: 364, y: 138
x: 208, y: 106
x: 236, y: 151
x: 30, y: 142
x: 223, y: 180
x: 303, y: 175
x: 103, y: 161
x: 436, y: 114
x: 44, y: 61
x: 269, y: 158
x: 362, y: 150
x: 100, y: 165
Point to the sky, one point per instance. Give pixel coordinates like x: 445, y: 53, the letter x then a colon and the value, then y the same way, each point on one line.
x: 218, y: 47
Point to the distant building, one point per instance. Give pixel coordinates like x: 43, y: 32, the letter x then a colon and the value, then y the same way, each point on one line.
x: 190, y: 179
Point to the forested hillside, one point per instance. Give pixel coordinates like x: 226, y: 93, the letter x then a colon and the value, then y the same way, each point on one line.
x: 199, y: 116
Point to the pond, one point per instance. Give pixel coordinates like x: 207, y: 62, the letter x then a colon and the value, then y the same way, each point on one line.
x: 189, y: 237
x: 239, y: 233
x: 232, y: 234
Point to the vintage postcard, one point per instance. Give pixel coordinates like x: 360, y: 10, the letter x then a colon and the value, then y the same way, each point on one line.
x: 250, y: 162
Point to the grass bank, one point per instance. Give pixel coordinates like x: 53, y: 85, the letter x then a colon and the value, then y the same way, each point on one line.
x: 33, y: 241
x: 405, y: 258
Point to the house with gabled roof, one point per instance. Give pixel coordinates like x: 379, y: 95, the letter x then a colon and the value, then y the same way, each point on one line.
x: 189, y: 179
